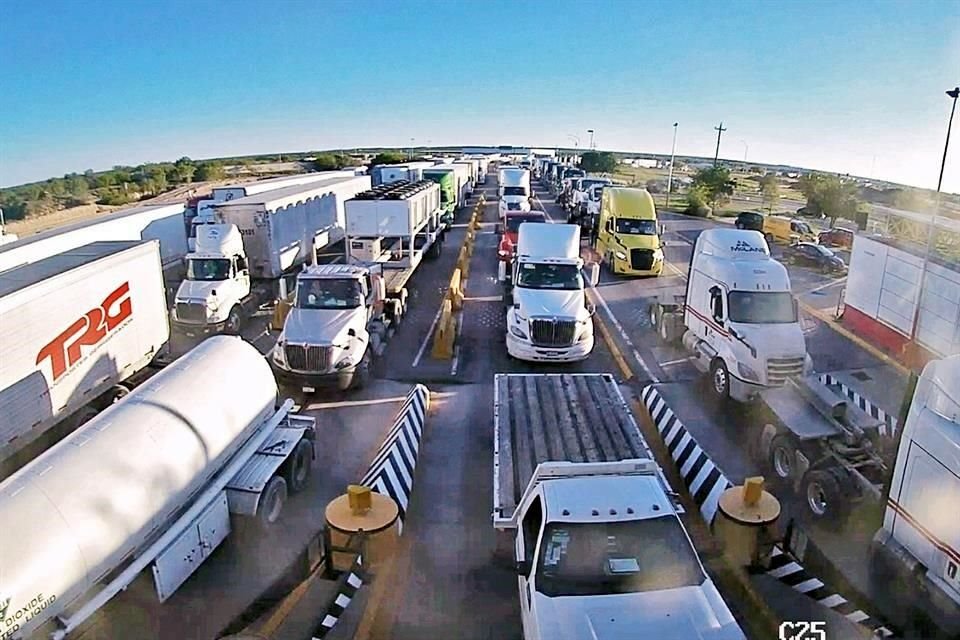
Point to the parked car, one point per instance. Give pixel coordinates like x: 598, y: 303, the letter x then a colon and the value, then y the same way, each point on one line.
x: 750, y: 220
x: 809, y: 254
x: 837, y: 238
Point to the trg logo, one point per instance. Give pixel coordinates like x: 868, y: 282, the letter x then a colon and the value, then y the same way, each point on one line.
x: 92, y: 327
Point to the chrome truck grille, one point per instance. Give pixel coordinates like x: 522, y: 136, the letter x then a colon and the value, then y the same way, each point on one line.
x: 308, y: 358
x: 779, y: 369
x: 191, y: 312
x: 550, y: 332
x: 641, y: 259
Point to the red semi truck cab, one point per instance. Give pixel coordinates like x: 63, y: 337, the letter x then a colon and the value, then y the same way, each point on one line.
x: 511, y: 229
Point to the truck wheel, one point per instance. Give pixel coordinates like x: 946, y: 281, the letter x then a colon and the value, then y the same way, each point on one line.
x: 821, y: 491
x: 272, y: 499
x: 362, y: 375
x: 720, y: 379
x: 783, y: 457
x: 299, y: 466
x: 232, y: 326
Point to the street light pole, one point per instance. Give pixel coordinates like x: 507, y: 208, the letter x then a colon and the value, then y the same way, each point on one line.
x: 673, y: 155
x: 590, y: 131
x: 746, y: 148
x: 931, y: 234
x: 719, y: 131
x: 953, y: 93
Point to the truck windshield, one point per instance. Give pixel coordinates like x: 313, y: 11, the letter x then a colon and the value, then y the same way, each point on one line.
x: 514, y: 222
x: 212, y: 269
x: 599, y: 558
x: 766, y: 307
x: 514, y: 191
x: 549, y: 276
x: 636, y: 227
x: 328, y: 294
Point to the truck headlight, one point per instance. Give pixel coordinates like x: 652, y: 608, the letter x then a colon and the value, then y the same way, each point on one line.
x: 343, y: 364
x: 747, y: 372
x: 278, y: 355
x: 620, y: 255
x: 518, y: 332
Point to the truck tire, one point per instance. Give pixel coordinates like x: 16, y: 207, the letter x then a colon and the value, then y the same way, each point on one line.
x: 234, y: 320
x: 299, y: 466
x: 272, y: 499
x: 783, y: 457
x: 821, y: 493
x: 719, y: 379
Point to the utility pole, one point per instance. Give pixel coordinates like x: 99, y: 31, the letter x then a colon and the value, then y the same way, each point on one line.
x: 673, y: 155
x: 719, y: 131
x: 590, y: 131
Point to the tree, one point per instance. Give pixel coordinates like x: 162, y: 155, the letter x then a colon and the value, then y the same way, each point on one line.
x: 598, y: 162
x: 185, y: 169
x: 770, y: 191
x: 212, y: 170
x: 712, y: 187
x: 388, y: 157
x: 327, y: 162
x: 830, y: 195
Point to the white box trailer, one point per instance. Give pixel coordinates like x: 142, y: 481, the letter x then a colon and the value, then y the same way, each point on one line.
x: 164, y: 223
x: 76, y: 325
x: 409, y: 171
x: 279, y: 227
x: 151, y: 481
x: 205, y: 209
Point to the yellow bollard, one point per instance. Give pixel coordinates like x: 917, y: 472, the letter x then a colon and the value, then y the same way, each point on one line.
x: 443, y: 338
x: 744, y: 522
x: 455, y: 292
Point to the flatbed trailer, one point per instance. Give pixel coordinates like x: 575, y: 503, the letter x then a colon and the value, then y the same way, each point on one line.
x: 580, y: 417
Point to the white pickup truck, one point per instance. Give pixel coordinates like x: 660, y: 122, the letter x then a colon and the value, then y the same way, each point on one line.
x: 599, y: 547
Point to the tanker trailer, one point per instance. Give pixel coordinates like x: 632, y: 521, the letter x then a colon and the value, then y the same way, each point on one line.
x: 151, y: 481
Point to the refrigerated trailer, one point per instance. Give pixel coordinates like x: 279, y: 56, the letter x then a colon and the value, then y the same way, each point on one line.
x: 163, y: 223
x: 81, y: 329
x: 151, y: 482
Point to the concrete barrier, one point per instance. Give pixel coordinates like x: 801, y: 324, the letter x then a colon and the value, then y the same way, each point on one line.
x: 455, y: 291
x: 444, y: 336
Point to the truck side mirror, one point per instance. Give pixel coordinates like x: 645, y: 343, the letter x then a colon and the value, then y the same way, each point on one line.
x: 663, y: 229
x: 522, y: 567
x: 593, y: 272
x: 380, y: 288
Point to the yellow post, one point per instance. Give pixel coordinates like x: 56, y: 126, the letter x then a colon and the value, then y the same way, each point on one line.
x: 443, y: 338
x: 455, y: 293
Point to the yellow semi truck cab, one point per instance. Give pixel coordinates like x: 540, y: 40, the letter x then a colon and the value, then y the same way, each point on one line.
x: 628, y: 234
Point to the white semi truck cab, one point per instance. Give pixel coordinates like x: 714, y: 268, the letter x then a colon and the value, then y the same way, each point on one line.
x: 217, y: 286
x: 334, y: 329
x: 593, y: 529
x: 738, y: 318
x: 514, y: 190
x: 919, y: 540
x: 548, y: 317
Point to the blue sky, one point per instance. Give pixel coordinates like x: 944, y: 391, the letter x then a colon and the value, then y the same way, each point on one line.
x: 843, y: 86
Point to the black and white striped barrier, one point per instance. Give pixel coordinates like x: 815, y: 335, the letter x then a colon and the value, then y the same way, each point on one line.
x: 391, y: 472
x: 889, y: 427
x: 348, y: 587
x: 706, y: 482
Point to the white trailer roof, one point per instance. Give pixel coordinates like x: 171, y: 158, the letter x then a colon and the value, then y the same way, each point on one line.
x: 157, y: 209
x: 30, y: 274
x: 281, y: 197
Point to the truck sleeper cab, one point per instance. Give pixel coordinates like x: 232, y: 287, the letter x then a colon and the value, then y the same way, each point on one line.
x: 628, y: 235
x: 510, y: 230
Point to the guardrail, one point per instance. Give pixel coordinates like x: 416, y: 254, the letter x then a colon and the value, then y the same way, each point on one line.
x: 446, y: 334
